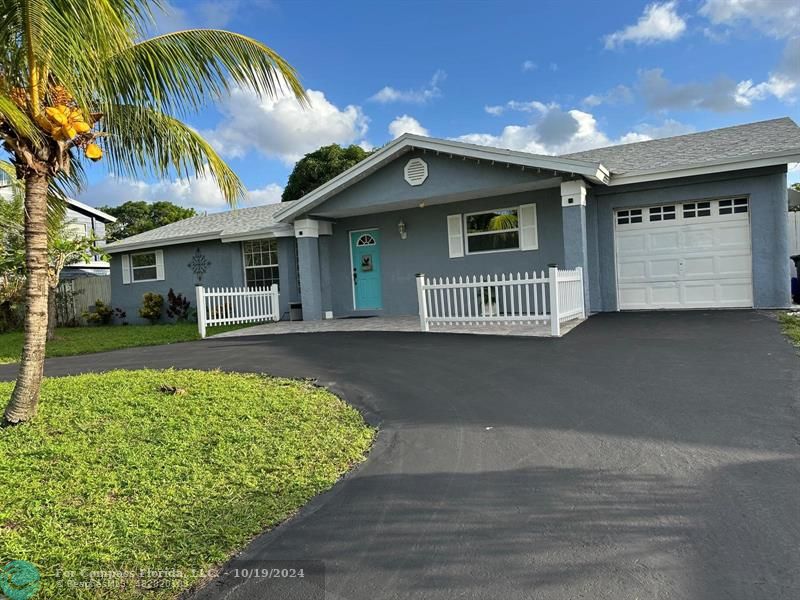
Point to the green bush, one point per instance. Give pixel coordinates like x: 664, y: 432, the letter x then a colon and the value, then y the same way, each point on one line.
x: 102, y: 313
x: 152, y: 304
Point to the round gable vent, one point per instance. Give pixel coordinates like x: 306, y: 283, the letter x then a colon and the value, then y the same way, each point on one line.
x: 415, y: 171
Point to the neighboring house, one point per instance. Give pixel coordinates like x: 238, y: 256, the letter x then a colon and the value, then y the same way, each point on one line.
x: 694, y: 221
x: 84, y: 220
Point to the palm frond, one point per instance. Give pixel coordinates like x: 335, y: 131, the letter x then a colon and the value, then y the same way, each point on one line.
x: 18, y: 119
x: 181, y: 71
x: 141, y: 141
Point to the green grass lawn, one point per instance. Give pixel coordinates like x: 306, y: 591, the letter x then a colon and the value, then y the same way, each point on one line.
x: 791, y: 326
x: 85, y: 340
x: 116, y: 474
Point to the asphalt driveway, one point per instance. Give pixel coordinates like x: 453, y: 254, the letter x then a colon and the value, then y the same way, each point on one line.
x: 641, y: 456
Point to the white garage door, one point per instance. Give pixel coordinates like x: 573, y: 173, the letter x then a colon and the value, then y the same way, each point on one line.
x: 687, y: 255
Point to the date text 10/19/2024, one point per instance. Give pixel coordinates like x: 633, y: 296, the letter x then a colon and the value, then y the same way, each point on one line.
x: 306, y: 576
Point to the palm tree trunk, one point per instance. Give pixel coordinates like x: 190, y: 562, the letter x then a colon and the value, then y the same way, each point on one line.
x: 25, y: 396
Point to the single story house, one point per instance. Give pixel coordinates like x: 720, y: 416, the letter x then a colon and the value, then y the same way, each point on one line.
x: 693, y: 221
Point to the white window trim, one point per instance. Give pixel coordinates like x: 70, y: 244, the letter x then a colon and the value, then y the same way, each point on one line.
x: 467, y: 235
x: 244, y: 260
x: 158, y: 277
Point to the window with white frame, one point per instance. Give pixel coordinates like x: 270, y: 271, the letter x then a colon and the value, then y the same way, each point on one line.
x: 260, y: 262
x: 144, y: 266
x: 492, y: 230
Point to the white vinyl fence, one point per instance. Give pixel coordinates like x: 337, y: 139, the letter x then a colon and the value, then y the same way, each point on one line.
x: 521, y: 299
x: 224, y: 306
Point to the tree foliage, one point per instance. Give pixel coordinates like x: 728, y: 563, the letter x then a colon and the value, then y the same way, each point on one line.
x: 319, y: 167
x: 139, y: 216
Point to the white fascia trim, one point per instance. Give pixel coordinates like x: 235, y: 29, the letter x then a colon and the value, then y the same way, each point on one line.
x: 143, y: 245
x: 80, y: 206
x: 407, y: 142
x: 281, y: 230
x: 764, y: 160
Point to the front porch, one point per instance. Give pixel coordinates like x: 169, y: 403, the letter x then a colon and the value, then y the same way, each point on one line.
x: 396, y: 324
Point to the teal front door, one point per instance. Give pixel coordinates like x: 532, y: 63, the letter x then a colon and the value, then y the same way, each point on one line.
x: 366, y: 253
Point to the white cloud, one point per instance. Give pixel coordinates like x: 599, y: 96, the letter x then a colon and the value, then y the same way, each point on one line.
x: 199, y: 192
x: 388, y: 94
x: 782, y: 82
x: 529, y: 65
x: 778, y: 18
x: 560, y: 132
x: 281, y: 128
x: 406, y: 124
x: 527, y: 106
x: 658, y: 23
x: 620, y: 94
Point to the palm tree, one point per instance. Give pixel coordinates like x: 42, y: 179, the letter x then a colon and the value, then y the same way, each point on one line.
x: 78, y: 80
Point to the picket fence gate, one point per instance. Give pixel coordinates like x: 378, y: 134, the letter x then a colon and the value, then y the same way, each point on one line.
x: 225, y: 306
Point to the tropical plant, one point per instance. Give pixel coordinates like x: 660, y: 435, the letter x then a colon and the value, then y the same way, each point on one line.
x: 101, y: 315
x: 79, y: 79
x: 152, y: 305
x: 177, y: 306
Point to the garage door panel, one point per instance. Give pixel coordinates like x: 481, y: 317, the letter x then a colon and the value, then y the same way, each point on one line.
x: 699, y: 266
x: 632, y: 243
x: 735, y: 265
x: 668, y: 295
x: 700, y: 261
x: 700, y: 240
x: 667, y: 268
x: 664, y: 240
x: 736, y: 236
x: 635, y: 270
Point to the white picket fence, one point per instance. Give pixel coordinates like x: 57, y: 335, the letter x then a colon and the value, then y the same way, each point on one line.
x: 224, y: 306
x: 522, y: 299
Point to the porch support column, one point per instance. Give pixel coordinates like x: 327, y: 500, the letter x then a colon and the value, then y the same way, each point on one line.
x: 307, y: 233
x: 573, y: 220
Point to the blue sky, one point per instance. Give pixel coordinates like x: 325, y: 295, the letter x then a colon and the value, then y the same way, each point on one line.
x: 547, y: 77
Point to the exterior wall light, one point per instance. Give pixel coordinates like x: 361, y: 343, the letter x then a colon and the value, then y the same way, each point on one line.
x: 401, y: 229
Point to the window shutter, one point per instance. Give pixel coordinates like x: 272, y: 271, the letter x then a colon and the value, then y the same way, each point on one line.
x: 126, y: 269
x: 160, y: 265
x: 455, y: 236
x: 528, y: 229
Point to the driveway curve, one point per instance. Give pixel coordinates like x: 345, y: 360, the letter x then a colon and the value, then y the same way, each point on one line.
x: 650, y: 455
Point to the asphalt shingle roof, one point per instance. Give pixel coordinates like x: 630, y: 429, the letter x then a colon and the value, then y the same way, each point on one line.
x: 238, y: 221
x: 740, y: 141
x: 729, y: 143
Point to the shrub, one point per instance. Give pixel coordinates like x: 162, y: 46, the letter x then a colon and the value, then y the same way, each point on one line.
x: 121, y: 315
x: 102, y: 313
x: 152, y: 304
x: 177, y: 306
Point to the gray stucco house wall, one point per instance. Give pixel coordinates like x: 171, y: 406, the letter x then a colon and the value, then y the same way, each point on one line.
x: 225, y: 269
